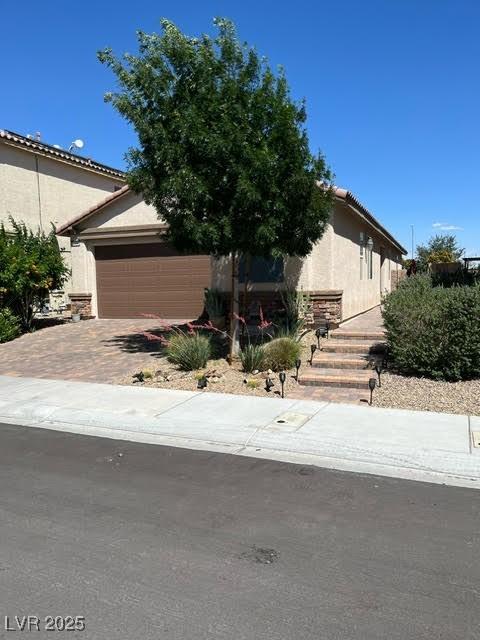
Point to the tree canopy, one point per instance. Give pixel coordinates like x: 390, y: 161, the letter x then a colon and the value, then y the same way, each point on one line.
x: 223, y: 153
x: 440, y: 248
x: 31, y: 265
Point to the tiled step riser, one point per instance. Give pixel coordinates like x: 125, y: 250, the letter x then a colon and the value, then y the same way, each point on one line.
x: 369, y: 337
x: 341, y: 384
x: 344, y: 347
x: 341, y: 364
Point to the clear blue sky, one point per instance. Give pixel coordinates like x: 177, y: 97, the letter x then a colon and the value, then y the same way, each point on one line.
x: 392, y: 89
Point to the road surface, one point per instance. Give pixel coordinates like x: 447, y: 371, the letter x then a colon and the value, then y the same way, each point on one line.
x: 149, y: 542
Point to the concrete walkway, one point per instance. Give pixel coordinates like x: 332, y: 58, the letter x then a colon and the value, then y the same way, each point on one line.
x: 405, y: 444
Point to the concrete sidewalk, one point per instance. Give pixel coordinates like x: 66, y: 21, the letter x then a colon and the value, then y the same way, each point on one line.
x: 430, y: 447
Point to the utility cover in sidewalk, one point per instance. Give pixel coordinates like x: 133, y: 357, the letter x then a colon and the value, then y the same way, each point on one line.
x: 476, y: 438
x: 288, y: 421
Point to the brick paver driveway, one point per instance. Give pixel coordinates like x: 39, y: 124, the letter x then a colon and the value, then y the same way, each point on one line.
x: 91, y: 350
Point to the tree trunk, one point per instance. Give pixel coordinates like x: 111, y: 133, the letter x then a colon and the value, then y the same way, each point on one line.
x: 247, y: 262
x: 234, y: 345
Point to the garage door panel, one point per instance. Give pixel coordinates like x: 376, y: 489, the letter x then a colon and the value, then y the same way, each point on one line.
x: 133, y: 280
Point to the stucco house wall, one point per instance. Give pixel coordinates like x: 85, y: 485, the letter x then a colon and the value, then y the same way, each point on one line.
x: 335, y: 274
x: 41, y: 190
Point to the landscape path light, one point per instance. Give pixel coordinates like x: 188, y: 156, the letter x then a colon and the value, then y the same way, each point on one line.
x: 313, y: 348
x: 269, y: 384
x: 372, y: 383
x: 298, y: 364
x: 282, y: 376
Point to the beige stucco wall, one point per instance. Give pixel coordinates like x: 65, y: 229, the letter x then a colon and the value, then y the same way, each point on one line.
x: 334, y: 263
x: 359, y: 293
x: 39, y: 191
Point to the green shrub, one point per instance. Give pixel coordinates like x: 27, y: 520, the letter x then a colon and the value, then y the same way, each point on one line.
x: 9, y: 325
x: 214, y: 303
x: 281, y: 353
x: 189, y: 351
x: 252, y: 357
x: 434, y: 331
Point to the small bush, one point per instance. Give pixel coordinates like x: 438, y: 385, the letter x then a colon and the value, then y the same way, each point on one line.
x: 253, y: 384
x: 252, y: 358
x: 147, y: 374
x: 281, y: 353
x: 9, y: 325
x: 189, y: 351
x: 434, y: 331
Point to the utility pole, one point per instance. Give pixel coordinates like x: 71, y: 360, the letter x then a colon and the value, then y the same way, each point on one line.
x: 412, y: 240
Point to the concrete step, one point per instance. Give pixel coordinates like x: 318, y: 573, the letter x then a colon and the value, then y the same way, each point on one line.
x: 373, y: 336
x: 327, y: 360
x: 351, y: 346
x: 342, y: 395
x: 335, y: 378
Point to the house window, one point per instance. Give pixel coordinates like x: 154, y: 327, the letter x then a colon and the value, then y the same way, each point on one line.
x: 262, y: 269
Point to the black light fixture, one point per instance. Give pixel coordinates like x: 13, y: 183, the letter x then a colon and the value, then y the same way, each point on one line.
x: 269, y: 384
x: 282, y: 376
x: 379, y: 370
x: 202, y: 382
x: 327, y: 327
x: 139, y: 377
x: 298, y: 364
x: 321, y: 332
x: 372, y: 383
x: 313, y: 348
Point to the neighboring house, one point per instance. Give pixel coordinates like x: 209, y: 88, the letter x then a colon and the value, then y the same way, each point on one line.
x: 122, y: 268
x: 42, y: 185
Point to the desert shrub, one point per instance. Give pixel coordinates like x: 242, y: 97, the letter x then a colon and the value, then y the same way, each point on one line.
x: 190, y: 351
x: 297, y: 306
x: 434, y: 331
x: 252, y: 357
x: 281, y: 353
x: 9, y: 325
x: 214, y: 303
x: 31, y: 266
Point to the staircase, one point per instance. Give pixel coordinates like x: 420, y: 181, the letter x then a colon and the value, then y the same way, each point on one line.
x: 341, y: 369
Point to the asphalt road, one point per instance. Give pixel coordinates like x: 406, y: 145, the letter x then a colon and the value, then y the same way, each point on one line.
x: 152, y: 542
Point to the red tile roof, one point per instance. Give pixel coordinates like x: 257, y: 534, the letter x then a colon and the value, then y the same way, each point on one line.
x: 64, y: 229
x: 37, y: 146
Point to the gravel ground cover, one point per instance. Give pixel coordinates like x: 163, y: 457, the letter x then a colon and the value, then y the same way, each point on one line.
x: 422, y: 394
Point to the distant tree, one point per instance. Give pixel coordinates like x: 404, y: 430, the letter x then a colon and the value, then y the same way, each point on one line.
x: 223, y: 154
x: 440, y: 248
x: 31, y: 265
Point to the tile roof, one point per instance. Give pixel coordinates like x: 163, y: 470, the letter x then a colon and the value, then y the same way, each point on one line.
x: 37, y: 146
x: 355, y: 204
x: 67, y: 227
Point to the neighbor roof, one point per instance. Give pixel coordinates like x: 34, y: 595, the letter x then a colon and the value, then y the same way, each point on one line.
x: 36, y: 146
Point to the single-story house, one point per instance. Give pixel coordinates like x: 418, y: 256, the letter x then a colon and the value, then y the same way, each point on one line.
x: 123, y: 268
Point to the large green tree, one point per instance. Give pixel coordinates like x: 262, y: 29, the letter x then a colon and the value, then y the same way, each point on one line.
x: 440, y: 248
x: 223, y: 153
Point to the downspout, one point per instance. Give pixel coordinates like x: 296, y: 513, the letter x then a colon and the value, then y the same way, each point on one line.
x: 38, y: 194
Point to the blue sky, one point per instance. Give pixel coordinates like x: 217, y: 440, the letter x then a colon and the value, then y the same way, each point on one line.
x: 392, y: 89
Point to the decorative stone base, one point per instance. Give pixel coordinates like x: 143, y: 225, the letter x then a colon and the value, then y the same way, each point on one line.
x: 81, y: 303
x: 396, y: 277
x: 326, y: 305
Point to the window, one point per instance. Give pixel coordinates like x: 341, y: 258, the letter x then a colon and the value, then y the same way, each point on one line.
x: 262, y: 269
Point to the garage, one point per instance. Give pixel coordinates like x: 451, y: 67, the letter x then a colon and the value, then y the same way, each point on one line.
x: 138, y: 279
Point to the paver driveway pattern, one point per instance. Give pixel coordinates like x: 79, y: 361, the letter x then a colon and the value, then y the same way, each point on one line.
x: 91, y: 350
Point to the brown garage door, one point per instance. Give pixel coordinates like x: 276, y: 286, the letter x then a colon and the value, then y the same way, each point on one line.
x: 136, y: 279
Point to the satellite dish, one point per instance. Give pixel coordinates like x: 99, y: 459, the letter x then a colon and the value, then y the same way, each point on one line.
x: 78, y: 143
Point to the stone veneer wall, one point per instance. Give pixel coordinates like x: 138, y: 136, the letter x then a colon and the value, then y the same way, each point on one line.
x: 81, y: 303
x: 326, y: 305
x: 396, y: 277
